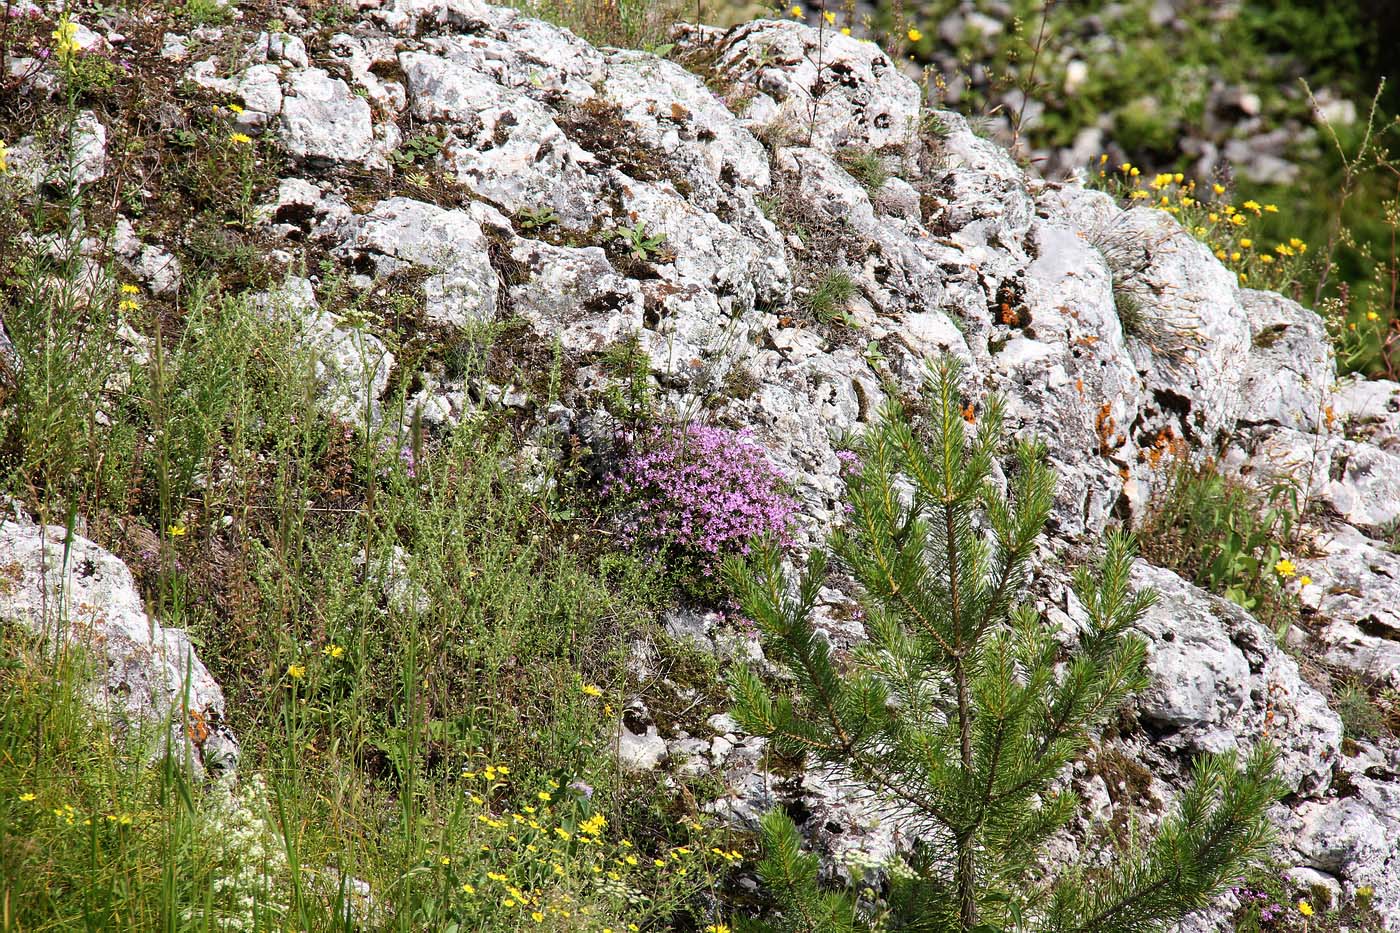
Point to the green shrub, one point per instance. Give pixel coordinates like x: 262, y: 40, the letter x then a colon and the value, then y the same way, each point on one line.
x: 1228, y: 537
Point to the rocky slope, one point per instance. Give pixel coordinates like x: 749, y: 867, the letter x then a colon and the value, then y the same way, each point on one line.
x: 744, y: 150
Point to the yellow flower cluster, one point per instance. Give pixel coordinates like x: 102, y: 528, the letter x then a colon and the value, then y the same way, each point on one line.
x: 553, y: 862
x: 68, y: 814
x: 128, y: 303
x: 1210, y: 216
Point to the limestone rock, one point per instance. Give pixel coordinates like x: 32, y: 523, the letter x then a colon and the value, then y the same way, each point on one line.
x: 399, y: 233
x: 832, y: 88
x: 351, y: 365
x: 1220, y: 683
x: 148, y: 678
x: 1291, y: 369
x: 321, y: 120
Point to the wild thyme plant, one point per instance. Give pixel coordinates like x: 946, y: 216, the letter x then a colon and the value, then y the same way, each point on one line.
x: 699, y: 494
x: 963, y: 709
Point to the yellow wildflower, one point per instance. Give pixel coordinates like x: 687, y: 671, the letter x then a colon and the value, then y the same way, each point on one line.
x: 1139, y: 195
x: 1235, y: 256
x: 1365, y: 890
x: 468, y: 889
x: 537, y: 916
x: 717, y: 928
x: 177, y: 530
x: 1125, y: 168
x: 1246, y: 242
x: 1238, y: 220
x: 1271, y: 208
x: 1372, y: 316
x: 845, y: 30
x: 1304, y: 580
x: 296, y: 671
x: 64, y: 37
x: 1252, y: 205
x: 27, y: 798
x: 4, y: 153
x: 1178, y: 178
x: 495, y: 876
x: 796, y: 11
x: 334, y: 652
x: 235, y: 108
x: 446, y: 860
x: 126, y: 304
x: 1305, y: 908
x: 830, y: 17
x: 914, y: 34
x: 240, y: 139
x: 1285, y: 568
x: 591, y: 691
x: 1134, y: 171
x: 1266, y: 259
x: 1297, y: 244
x: 1214, y: 217
x: 129, y: 289
x: 545, y: 796
x: 1218, y: 188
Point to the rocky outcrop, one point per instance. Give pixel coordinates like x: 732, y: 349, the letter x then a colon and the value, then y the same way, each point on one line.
x: 66, y: 590
x: 593, y: 196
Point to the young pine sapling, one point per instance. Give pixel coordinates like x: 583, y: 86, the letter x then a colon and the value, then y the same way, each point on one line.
x: 963, y: 708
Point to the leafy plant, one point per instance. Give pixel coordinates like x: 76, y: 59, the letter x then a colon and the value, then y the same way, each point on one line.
x: 638, y: 242
x: 536, y: 218
x: 962, y: 710
x: 207, y: 12
x: 1227, y: 536
x: 420, y: 148
x: 792, y: 876
x: 1361, y: 715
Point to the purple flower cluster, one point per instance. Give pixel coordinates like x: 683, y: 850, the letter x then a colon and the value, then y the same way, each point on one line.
x: 1260, y: 904
x: 705, y: 492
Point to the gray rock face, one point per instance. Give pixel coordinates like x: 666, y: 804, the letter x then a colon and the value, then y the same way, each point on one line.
x: 576, y: 295
x: 1220, y: 683
x: 1365, y: 486
x: 674, y: 112
x: 322, y: 120
x: 147, y: 677
x: 1353, y: 839
x: 1369, y: 410
x: 399, y: 233
x: 1291, y: 369
x: 837, y: 90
